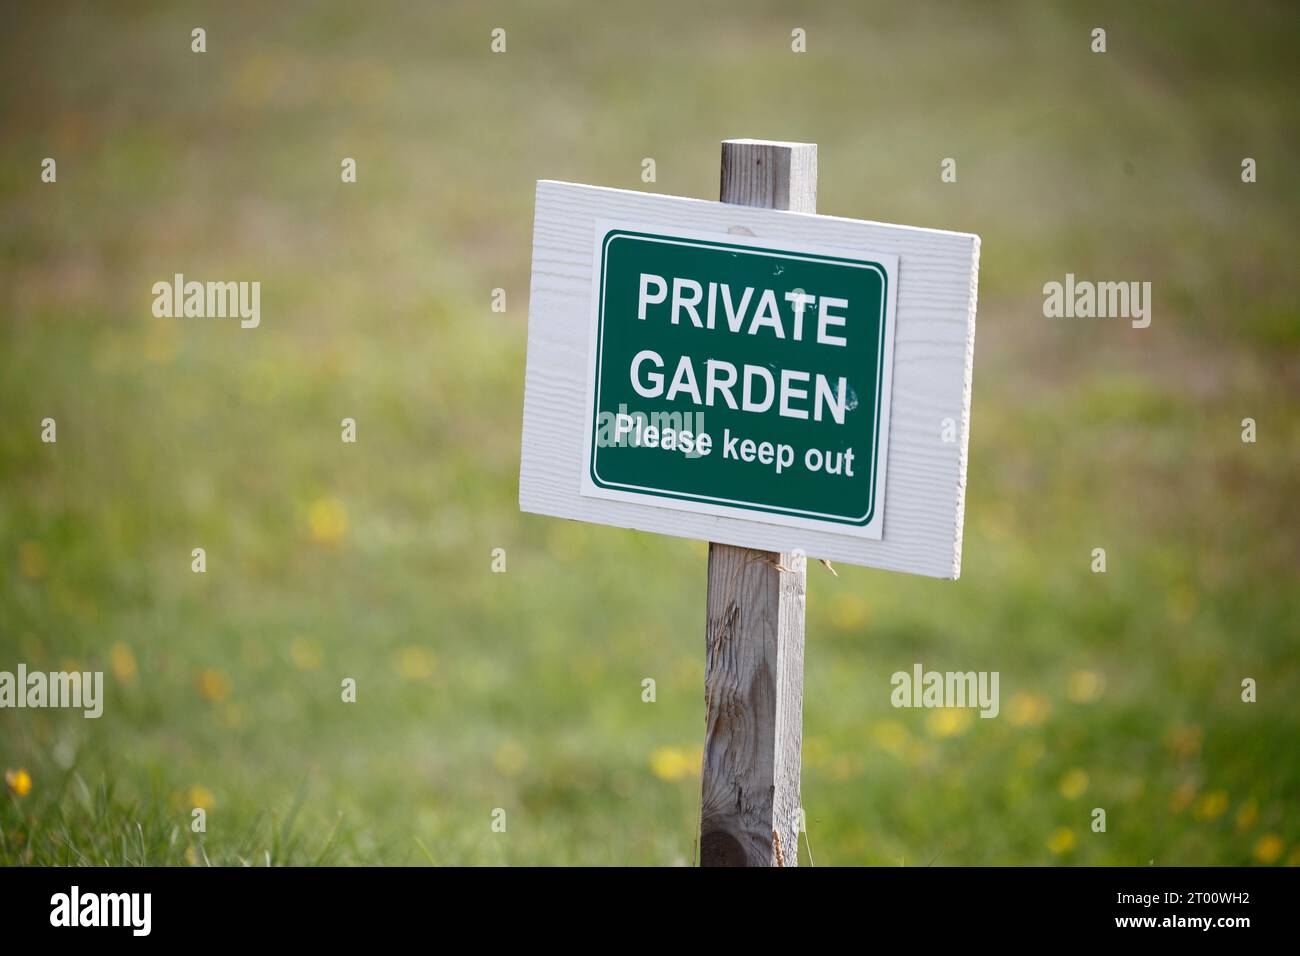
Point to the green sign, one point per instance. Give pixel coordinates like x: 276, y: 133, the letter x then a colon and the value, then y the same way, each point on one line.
x: 731, y: 376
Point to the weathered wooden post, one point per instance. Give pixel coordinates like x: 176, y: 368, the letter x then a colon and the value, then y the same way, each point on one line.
x: 753, y: 678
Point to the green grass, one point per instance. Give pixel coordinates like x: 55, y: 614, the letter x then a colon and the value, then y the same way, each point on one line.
x: 522, y: 690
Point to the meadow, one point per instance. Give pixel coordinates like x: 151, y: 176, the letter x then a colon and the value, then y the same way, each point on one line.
x: 522, y: 690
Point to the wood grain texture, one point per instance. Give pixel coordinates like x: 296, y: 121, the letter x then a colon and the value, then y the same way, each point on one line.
x: 933, y: 356
x: 769, y: 175
x: 753, y: 693
x: 753, y: 676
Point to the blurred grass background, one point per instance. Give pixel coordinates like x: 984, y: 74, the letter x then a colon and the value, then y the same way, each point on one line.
x: 523, y: 690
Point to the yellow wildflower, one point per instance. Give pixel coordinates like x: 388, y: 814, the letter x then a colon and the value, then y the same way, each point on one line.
x: 328, y: 520
x: 1073, y: 784
x: 1247, y: 814
x: 949, y: 721
x: 673, y: 763
x: 1269, y: 848
x: 1027, y: 710
x: 122, y: 661
x: 214, y: 685
x: 1061, y: 841
x: 510, y: 758
x: 19, y: 781
x: 848, y: 611
x: 305, y: 654
x: 415, y: 663
x: 1211, y: 805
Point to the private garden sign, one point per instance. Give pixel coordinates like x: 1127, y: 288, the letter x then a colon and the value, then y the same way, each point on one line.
x: 750, y: 376
x: 732, y: 375
x: 777, y: 383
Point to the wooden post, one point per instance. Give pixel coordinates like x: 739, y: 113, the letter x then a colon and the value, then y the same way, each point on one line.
x: 753, y: 678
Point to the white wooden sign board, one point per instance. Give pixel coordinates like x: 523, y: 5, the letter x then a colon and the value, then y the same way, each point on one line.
x: 933, y: 339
